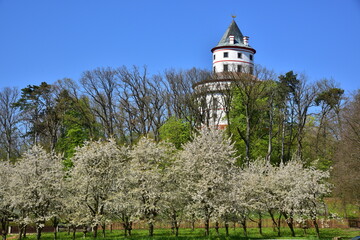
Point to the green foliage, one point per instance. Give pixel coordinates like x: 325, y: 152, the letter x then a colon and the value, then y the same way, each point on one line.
x: 78, y: 125
x: 35, y: 102
x: 176, y: 131
x: 249, y: 116
x: 331, y: 97
x: 342, y: 209
x: 288, y: 83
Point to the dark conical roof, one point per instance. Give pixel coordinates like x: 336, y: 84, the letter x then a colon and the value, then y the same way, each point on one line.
x: 233, y: 30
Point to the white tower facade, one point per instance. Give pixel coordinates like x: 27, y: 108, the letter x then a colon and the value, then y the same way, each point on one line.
x: 232, y: 56
x: 233, y: 53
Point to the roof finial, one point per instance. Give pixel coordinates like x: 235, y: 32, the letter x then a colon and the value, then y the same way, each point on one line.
x: 233, y: 17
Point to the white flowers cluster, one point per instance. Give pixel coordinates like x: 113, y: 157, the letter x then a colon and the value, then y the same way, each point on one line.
x: 153, y: 180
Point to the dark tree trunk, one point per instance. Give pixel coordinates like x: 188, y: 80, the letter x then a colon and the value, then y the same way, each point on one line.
x: 243, y: 224
x: 277, y: 224
x: 227, y: 228
x: 151, y: 229
x: 130, y: 228
x: 316, y: 228
x: 290, y: 223
x: 95, y: 231
x: 74, y: 232
x: 125, y: 228
x: 38, y: 232
x: 84, y: 232
x: 25, y: 231
x: 174, y: 223
x: 217, y: 227
x: 193, y: 222
x: 22, y: 231
x: 207, y: 226
x: 260, y: 224
x: 4, y: 227
x: 177, y: 230
x: 55, y: 225
x: 103, y: 229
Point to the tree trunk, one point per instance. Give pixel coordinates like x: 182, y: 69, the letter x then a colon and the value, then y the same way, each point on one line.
x: 282, y: 158
x: 177, y: 230
x: 174, y: 223
x: 260, y: 224
x: 55, y: 225
x: 4, y: 227
x: 290, y: 223
x: 271, y: 121
x: 207, y: 226
x: 103, y: 229
x: 151, y: 229
x: 316, y: 228
x: 125, y: 228
x: 74, y: 232
x: 291, y: 226
x: 227, y: 229
x: 22, y: 231
x: 25, y: 231
x: 217, y: 227
x: 130, y: 228
x: 243, y: 224
x: 277, y: 224
x: 247, y: 142
x: 38, y: 232
x: 193, y: 223
x: 95, y: 231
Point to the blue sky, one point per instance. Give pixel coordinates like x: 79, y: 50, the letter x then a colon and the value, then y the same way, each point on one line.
x: 47, y: 40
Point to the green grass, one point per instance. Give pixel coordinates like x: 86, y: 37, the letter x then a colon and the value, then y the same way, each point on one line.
x: 348, y: 210
x: 185, y: 234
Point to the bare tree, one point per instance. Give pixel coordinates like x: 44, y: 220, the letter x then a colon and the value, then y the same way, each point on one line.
x: 346, y: 159
x: 187, y: 91
x: 142, y: 101
x: 304, y: 99
x: 101, y: 85
x: 9, y: 119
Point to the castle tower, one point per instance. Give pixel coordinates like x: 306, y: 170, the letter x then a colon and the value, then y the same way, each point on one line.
x: 233, y: 53
x: 232, y: 57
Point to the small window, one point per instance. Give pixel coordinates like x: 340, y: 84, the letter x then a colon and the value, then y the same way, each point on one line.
x: 251, y: 57
x: 251, y: 70
x: 214, y: 56
x: 239, y: 68
x: 214, y: 69
x: 226, y: 68
x: 226, y: 54
x: 239, y: 55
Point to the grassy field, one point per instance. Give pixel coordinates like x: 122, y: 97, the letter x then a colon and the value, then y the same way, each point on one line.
x: 184, y: 234
x: 348, y: 210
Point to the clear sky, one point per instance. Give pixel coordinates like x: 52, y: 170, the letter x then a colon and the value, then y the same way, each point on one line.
x: 47, y: 40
